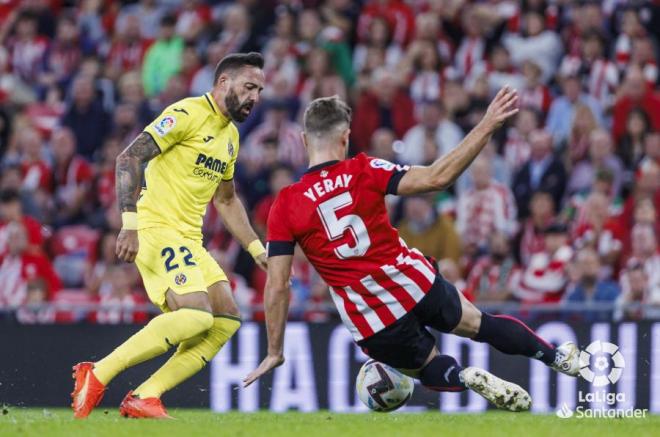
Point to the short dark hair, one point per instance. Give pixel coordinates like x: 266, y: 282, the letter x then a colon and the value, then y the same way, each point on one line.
x: 168, y: 20
x: 236, y: 61
x: 325, y: 114
x: 9, y: 196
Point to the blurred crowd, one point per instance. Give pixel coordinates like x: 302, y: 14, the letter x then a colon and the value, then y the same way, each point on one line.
x: 560, y: 209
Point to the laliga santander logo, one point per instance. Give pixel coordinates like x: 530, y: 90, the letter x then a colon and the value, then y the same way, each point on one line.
x: 597, y: 359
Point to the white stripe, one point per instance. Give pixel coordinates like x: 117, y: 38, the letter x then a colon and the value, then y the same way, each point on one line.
x: 384, y: 295
x: 369, y: 314
x: 421, y: 267
x: 404, y: 281
x: 339, y: 303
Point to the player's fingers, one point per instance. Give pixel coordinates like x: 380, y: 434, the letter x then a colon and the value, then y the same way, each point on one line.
x: 514, y: 111
x: 121, y: 251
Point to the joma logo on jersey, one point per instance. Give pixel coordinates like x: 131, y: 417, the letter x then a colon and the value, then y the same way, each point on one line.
x: 211, y: 163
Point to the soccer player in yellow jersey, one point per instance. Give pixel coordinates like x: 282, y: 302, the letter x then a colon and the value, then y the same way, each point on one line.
x: 191, y: 151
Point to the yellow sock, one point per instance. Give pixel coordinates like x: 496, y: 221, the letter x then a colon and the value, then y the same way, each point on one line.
x: 189, y: 358
x: 156, y: 338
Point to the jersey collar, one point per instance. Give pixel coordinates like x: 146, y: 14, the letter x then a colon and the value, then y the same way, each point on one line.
x: 214, y: 106
x: 318, y: 167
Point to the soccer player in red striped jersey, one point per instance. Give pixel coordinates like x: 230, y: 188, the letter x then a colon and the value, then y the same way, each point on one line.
x: 387, y: 293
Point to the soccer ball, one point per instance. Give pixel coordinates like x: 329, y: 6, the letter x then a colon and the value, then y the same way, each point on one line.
x: 383, y: 388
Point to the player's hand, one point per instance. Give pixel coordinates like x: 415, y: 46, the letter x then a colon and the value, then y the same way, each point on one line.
x: 503, y: 106
x: 262, y: 262
x: 127, y: 245
x: 268, y: 364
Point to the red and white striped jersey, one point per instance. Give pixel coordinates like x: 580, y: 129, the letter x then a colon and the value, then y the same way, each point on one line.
x: 337, y: 214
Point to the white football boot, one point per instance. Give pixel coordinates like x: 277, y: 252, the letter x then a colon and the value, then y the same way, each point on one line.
x: 567, y: 360
x: 503, y: 394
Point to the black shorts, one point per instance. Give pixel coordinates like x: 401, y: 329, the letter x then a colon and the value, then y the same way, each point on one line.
x: 406, y: 344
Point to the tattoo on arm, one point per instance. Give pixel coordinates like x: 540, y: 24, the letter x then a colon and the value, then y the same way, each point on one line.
x: 128, y: 170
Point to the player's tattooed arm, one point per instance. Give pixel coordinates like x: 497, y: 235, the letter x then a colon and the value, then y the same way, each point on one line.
x: 128, y: 170
x: 443, y: 172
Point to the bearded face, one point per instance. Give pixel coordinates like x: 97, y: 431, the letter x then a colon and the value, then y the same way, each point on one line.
x: 238, y: 110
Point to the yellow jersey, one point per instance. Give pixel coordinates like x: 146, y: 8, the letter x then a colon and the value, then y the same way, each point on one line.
x: 198, y: 146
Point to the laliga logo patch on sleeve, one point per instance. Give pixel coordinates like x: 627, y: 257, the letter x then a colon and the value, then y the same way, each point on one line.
x: 165, y: 125
x: 387, y: 165
x: 381, y: 163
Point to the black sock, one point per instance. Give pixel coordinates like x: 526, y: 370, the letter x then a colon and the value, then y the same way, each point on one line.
x: 441, y: 374
x: 511, y: 336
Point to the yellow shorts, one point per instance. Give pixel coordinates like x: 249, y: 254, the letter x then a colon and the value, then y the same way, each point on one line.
x: 167, y: 260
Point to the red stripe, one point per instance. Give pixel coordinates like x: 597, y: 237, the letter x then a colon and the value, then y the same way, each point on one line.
x: 503, y: 316
x: 424, y: 283
x: 399, y: 293
x: 351, y: 309
x: 373, y: 302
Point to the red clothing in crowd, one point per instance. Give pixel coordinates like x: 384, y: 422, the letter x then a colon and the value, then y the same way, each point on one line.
x: 367, y: 118
x: 17, y: 271
x: 399, y: 17
x: 649, y: 103
x: 33, y: 230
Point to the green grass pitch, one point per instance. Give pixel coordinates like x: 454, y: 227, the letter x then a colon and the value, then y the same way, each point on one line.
x: 189, y: 423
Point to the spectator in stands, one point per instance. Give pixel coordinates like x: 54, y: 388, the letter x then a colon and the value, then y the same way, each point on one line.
x: 280, y: 177
x: 537, y: 44
x: 635, y: 302
x: 64, y: 54
x: 150, y: 14
x: 631, y: 148
x: 498, y: 71
x: 634, y: 93
x: 532, y: 237
x: 11, y: 211
x: 276, y: 124
x: 596, y: 229
x: 381, y: 145
x: 377, y: 39
x: 645, y: 252
x: 383, y: 105
x: 163, y: 58
x: 202, y: 81
x: 127, y: 49
x: 545, y: 278
x: 121, y: 297
x: 72, y: 179
x: 98, y: 277
x: 27, y: 48
x: 86, y: 118
x: 542, y: 172
x: 499, y: 168
x: 449, y: 270
x: 589, y: 289
x: 434, y: 127
x: 534, y: 93
x: 562, y: 109
x: 516, y: 150
x: 36, y: 170
x: 495, y: 275
x: 601, y: 158
x: 321, y: 80
x: 433, y: 234
x: 584, y: 124
x: 599, y: 75
x: 19, y: 267
x: 487, y: 208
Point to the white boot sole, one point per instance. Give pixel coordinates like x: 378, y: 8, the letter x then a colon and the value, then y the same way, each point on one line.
x: 503, y: 394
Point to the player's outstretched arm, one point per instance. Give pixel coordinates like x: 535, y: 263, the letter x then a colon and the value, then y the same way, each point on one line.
x: 443, y: 172
x: 235, y: 217
x: 128, y: 176
x: 276, y: 307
